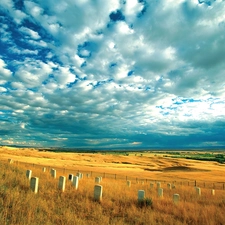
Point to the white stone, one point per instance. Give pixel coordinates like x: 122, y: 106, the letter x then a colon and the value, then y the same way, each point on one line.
x: 160, y: 192
x: 79, y: 175
x: 198, y: 191
x: 44, y: 169
x: 141, y: 195
x: 97, y: 180
x: 176, y: 198
x: 128, y: 183
x: 87, y: 175
x: 62, y: 183
x: 169, y: 186
x: 98, y: 193
x: 29, y: 174
x: 34, y: 184
x: 158, y: 185
x: 10, y: 161
x: 75, y: 182
x: 151, y: 185
x: 70, y: 177
x: 53, y: 173
x: 213, y: 192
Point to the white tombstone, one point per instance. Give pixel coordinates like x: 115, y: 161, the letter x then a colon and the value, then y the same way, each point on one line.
x: 70, y: 177
x: 44, y: 169
x: 97, y: 180
x: 128, y: 183
x: 100, y: 179
x: 141, y: 195
x: 28, y: 174
x: 62, y: 183
x: 34, y: 184
x: 53, y: 173
x: 169, y: 186
x: 158, y: 185
x: 213, y: 192
x: 151, y: 185
x: 176, y: 198
x: 75, y: 182
x: 10, y: 161
x: 160, y: 192
x: 87, y: 175
x: 198, y: 191
x: 98, y: 192
x: 79, y: 175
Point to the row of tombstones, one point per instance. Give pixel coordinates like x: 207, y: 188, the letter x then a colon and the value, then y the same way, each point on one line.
x: 34, y: 181
x: 99, y: 179
x: 98, y: 189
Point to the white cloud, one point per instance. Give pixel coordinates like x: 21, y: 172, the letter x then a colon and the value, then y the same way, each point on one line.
x: 16, y: 14
x: 132, y: 8
x: 160, y: 71
x: 64, y: 76
x: 30, y: 33
x: 2, y: 89
x: 5, y: 74
x: 32, y: 72
x: 23, y: 51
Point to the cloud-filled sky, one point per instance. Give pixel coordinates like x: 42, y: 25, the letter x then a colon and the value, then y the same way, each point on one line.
x: 112, y: 74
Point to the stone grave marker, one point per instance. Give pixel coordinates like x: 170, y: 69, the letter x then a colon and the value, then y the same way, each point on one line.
x: 10, y: 161
x: 97, y: 180
x: 75, y: 182
x: 70, y: 177
x: 160, y: 192
x: 151, y: 185
x: 141, y: 195
x: 176, y: 198
x: 28, y: 174
x: 34, y: 184
x: 213, y: 192
x: 158, y: 185
x: 128, y: 183
x: 79, y: 175
x: 98, y: 192
x: 53, y: 173
x: 62, y: 183
x: 198, y: 191
x: 43, y: 169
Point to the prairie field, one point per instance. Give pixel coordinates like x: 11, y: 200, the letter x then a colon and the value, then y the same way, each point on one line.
x: 119, y: 205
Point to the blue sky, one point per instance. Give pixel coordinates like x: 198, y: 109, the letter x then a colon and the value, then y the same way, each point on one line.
x: 112, y: 74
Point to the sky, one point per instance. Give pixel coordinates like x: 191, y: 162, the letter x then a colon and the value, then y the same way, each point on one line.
x: 112, y: 74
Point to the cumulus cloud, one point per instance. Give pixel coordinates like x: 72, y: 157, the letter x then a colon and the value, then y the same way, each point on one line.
x: 112, y: 73
x: 5, y: 74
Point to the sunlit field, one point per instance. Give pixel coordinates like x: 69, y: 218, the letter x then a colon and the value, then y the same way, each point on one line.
x: 119, y: 205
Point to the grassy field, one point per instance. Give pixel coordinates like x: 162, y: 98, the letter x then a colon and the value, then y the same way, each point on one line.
x: 19, y: 205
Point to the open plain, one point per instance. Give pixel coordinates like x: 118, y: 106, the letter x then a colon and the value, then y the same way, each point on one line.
x: 19, y: 205
x: 146, y: 165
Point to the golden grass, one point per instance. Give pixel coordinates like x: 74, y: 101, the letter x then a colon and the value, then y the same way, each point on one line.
x: 150, y: 165
x: 19, y: 205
